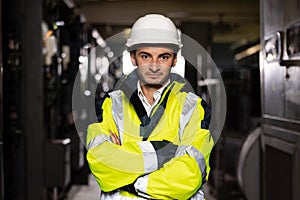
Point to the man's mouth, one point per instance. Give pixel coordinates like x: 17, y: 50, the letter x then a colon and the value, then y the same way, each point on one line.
x: 154, y: 75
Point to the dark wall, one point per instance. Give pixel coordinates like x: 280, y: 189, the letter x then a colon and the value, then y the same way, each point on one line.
x: 242, y: 84
x: 223, y: 55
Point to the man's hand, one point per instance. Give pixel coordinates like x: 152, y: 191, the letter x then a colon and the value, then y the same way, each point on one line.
x: 114, y: 138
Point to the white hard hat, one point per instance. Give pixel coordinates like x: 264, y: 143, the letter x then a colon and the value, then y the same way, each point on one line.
x: 154, y: 30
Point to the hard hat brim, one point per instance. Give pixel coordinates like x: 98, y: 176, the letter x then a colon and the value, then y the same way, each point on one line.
x: 174, y: 47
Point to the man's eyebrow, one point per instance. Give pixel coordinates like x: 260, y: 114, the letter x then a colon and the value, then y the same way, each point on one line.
x: 165, y: 54
x: 143, y: 52
x: 149, y: 54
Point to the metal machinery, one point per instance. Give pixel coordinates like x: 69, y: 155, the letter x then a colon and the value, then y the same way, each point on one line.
x: 280, y: 72
x: 22, y: 82
x: 42, y: 153
x: 266, y: 158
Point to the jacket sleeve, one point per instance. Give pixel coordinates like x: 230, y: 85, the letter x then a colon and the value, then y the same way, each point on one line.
x: 183, y: 175
x: 115, y: 166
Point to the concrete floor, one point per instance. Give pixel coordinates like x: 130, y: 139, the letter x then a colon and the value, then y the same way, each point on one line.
x: 85, y: 192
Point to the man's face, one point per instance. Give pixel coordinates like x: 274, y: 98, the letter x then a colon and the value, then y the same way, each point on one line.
x: 153, y: 64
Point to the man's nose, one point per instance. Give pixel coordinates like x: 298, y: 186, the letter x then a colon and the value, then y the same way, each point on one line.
x: 154, y: 66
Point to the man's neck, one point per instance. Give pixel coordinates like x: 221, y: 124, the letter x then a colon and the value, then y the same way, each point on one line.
x: 149, y: 90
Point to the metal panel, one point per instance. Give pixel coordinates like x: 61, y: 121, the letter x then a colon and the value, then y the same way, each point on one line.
x: 281, y: 103
x: 281, y: 158
x: 290, y: 11
x: 273, y: 76
x: 292, y: 48
x: 292, y: 94
x: 281, y: 85
x: 272, y: 16
x: 278, y: 174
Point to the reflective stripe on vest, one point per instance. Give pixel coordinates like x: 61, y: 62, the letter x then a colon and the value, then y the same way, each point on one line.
x: 117, y: 111
x: 99, y: 139
x: 117, y: 196
x: 187, y: 111
x: 150, y: 157
x: 198, y: 196
x: 141, y: 185
x: 192, y: 151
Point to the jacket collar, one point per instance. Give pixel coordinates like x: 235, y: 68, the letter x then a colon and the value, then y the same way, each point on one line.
x: 128, y: 83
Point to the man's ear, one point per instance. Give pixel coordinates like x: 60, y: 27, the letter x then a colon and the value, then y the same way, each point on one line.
x: 132, y: 57
x: 174, y: 61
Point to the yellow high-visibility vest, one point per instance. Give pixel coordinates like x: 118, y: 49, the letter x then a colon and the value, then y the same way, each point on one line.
x: 164, y: 156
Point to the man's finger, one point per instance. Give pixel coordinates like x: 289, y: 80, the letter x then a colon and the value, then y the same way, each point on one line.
x: 114, y: 138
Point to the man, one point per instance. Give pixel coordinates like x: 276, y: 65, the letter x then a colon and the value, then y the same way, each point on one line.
x: 152, y: 140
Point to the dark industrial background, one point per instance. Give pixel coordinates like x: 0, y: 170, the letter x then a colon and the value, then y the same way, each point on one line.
x: 255, y: 45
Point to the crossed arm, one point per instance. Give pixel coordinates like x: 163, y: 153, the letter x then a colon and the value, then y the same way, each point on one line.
x: 178, y: 175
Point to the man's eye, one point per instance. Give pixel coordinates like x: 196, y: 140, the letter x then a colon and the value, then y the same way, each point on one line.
x: 144, y: 57
x: 165, y: 57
